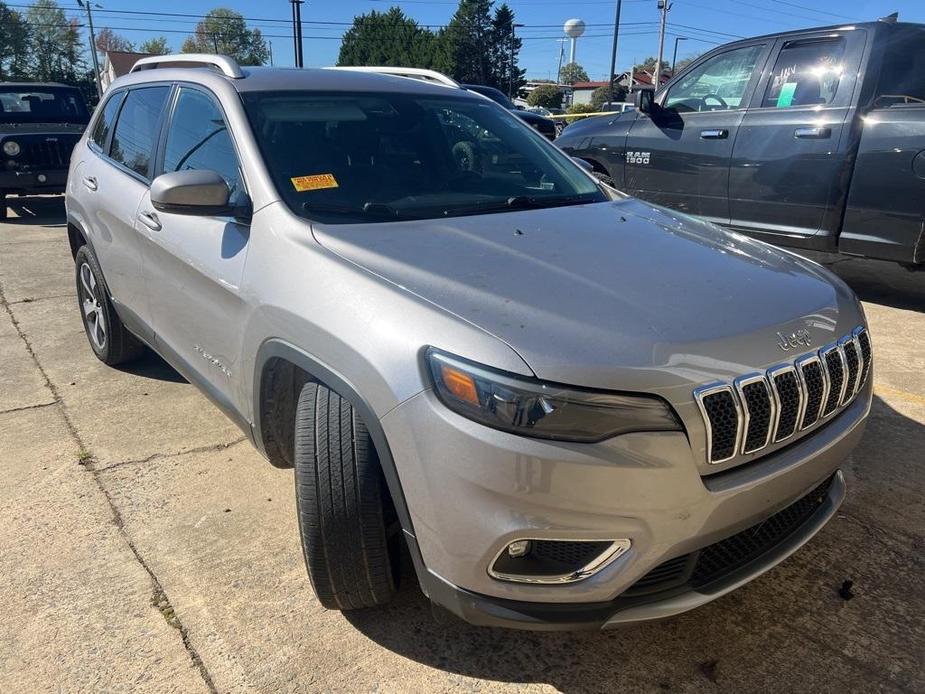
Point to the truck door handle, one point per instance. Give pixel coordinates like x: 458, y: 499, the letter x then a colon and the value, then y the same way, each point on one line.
x: 719, y: 134
x: 90, y: 182
x: 149, y: 219
x: 813, y: 133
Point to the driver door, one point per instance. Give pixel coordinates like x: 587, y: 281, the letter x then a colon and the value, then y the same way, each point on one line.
x: 679, y: 154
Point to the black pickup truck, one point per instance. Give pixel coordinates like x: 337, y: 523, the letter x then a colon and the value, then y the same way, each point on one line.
x: 812, y: 138
x: 39, y: 125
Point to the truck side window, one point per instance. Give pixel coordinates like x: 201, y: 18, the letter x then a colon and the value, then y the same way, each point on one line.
x: 902, y: 77
x: 104, y: 122
x: 198, y: 139
x: 806, y: 74
x: 718, y: 84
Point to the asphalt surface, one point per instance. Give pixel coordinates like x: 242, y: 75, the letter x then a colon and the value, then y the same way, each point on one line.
x: 145, y: 546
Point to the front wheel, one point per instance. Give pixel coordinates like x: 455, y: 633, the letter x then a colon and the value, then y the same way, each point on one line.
x: 347, y: 524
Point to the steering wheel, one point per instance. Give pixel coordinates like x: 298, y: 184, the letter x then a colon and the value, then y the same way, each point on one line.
x: 722, y: 103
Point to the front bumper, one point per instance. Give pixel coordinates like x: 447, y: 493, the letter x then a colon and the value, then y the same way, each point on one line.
x: 471, y: 490
x: 29, y: 181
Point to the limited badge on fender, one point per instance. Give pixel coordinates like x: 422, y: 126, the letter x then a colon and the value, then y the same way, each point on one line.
x: 314, y: 182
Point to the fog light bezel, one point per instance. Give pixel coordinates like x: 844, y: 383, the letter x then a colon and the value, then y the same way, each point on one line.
x: 616, y: 549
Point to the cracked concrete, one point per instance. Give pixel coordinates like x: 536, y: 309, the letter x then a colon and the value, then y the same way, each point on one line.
x: 167, y: 558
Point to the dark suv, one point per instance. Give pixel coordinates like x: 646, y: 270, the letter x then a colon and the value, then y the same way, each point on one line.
x: 39, y: 125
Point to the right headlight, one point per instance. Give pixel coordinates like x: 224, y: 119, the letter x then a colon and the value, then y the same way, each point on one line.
x: 543, y: 410
x: 11, y: 148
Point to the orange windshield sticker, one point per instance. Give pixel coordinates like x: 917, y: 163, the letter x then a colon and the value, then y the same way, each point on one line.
x: 316, y: 182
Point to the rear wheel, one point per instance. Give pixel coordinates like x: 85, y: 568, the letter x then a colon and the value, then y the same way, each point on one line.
x: 349, y: 532
x: 111, y: 342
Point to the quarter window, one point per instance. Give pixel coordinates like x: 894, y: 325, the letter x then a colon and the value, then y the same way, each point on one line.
x: 198, y: 139
x: 136, y: 130
x: 806, y: 74
x: 106, y: 119
x: 719, y: 84
x: 902, y: 78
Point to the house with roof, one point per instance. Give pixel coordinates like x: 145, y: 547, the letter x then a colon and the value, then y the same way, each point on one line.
x: 117, y: 63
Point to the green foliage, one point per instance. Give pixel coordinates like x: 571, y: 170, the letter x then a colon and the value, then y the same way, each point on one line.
x: 54, y: 46
x: 14, y: 44
x: 225, y: 32
x: 684, y: 62
x: 601, y: 95
x: 546, y: 95
x: 155, y: 46
x: 507, y: 76
x: 573, y: 72
x: 578, y: 109
x: 387, y: 38
x: 468, y: 38
x: 647, y: 65
x: 108, y: 40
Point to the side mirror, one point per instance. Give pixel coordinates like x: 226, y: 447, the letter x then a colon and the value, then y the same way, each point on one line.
x: 194, y: 192
x: 644, y: 100
x: 583, y: 164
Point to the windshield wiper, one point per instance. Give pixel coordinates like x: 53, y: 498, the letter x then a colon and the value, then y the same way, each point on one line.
x: 368, y: 209
x: 520, y: 202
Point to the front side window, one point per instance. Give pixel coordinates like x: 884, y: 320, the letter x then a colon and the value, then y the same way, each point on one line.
x: 806, y: 74
x: 42, y: 105
x: 136, y: 130
x: 378, y: 157
x: 104, y: 122
x: 719, y: 84
x: 198, y: 139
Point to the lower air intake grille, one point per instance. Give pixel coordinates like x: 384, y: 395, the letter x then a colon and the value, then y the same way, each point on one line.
x: 572, y: 555
x: 720, y: 559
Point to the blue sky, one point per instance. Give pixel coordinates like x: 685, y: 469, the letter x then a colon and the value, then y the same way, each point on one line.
x: 705, y: 22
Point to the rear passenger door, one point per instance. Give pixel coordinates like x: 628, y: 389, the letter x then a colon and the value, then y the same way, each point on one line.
x: 194, y: 264
x: 791, y: 161
x: 115, y: 175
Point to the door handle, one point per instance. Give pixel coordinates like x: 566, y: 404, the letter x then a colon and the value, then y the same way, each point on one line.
x: 718, y: 134
x: 90, y: 182
x: 812, y: 133
x: 149, y: 219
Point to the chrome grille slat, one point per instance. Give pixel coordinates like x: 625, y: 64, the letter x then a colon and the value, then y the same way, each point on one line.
x: 761, y: 409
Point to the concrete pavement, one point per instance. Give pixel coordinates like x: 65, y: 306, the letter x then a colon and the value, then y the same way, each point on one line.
x: 145, y: 546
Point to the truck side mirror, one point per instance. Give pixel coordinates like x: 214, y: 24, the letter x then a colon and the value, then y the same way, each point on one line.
x: 644, y: 100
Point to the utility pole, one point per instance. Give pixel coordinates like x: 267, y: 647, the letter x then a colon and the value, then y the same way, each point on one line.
x: 96, y: 62
x: 270, y: 44
x: 663, y: 7
x: 297, y: 31
x: 510, y: 77
x: 613, y: 51
x: 674, y: 58
x: 561, y: 54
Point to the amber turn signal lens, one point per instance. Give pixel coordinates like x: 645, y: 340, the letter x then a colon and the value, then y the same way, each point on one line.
x: 460, y: 384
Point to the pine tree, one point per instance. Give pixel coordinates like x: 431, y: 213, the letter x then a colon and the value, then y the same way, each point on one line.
x: 468, y: 40
x: 505, y: 47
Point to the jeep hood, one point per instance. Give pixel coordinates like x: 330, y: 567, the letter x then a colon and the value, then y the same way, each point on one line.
x: 610, y: 295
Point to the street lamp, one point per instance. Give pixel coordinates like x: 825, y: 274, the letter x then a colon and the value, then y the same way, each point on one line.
x: 674, y: 59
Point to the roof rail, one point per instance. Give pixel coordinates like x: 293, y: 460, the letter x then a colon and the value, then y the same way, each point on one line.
x: 227, y: 66
x: 416, y: 73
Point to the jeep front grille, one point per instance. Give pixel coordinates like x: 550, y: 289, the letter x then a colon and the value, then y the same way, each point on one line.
x: 47, y: 153
x: 761, y: 409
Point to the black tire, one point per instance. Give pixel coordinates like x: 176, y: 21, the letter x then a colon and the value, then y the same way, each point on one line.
x: 343, y: 505
x: 110, y: 341
x: 467, y: 157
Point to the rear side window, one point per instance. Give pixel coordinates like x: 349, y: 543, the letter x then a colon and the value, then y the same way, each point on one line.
x: 902, y: 78
x: 198, y: 139
x: 136, y: 130
x: 716, y: 85
x: 104, y: 122
x: 806, y: 74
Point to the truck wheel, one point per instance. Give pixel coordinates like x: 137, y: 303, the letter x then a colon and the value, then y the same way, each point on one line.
x: 111, y: 342
x: 342, y: 503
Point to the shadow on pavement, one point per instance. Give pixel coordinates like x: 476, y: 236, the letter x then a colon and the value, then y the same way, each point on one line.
x: 877, y: 281
x: 46, y: 210
x: 656, y: 654
x: 151, y: 365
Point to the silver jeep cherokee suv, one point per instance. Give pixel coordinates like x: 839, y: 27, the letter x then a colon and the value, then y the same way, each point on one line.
x: 574, y: 409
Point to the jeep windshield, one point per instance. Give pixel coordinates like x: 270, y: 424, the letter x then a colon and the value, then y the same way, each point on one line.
x: 25, y: 104
x: 342, y: 158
